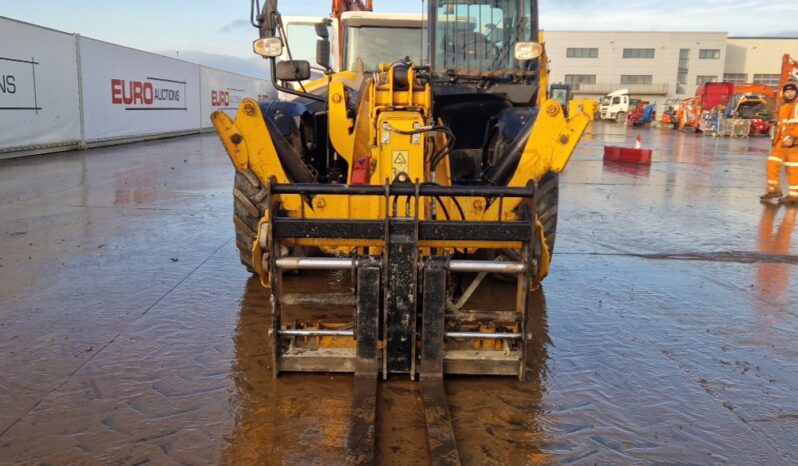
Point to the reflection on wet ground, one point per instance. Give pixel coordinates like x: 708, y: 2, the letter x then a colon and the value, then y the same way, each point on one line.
x: 129, y: 333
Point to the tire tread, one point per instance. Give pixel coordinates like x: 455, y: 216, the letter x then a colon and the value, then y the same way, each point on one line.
x: 248, y: 208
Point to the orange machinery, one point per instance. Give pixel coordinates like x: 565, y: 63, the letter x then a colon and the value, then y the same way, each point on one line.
x: 755, y: 88
x: 789, y: 72
x: 707, y: 97
x: 768, y: 93
x: 750, y: 97
x: 749, y: 102
x: 339, y: 7
x: 687, y: 114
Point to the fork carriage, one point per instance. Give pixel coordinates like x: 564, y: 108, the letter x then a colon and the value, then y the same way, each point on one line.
x: 406, y: 315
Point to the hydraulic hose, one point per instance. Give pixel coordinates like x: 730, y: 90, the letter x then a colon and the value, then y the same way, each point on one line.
x: 446, y: 150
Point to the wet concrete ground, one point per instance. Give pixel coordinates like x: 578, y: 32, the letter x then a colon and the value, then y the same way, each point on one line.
x: 130, y: 334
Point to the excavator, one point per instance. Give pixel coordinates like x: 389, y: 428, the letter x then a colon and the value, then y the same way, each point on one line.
x: 759, y: 103
x: 789, y: 71
x: 339, y: 7
x: 756, y: 104
x: 424, y: 182
x: 742, y: 110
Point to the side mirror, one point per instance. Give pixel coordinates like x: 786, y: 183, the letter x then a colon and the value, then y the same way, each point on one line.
x: 323, y: 45
x: 293, y: 70
x: 323, y: 53
x: 321, y: 30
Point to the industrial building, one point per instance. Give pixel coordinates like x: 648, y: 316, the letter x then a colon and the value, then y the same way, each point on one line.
x: 659, y: 66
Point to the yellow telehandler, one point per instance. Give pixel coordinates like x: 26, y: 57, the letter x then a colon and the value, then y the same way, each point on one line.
x: 425, y: 181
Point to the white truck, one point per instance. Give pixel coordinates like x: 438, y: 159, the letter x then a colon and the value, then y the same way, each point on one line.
x: 616, y: 105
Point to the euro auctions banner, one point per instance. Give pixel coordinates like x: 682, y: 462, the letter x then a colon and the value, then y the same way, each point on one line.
x: 225, y: 91
x: 263, y: 90
x: 222, y: 91
x: 126, y: 93
x: 38, y: 87
x: 129, y: 93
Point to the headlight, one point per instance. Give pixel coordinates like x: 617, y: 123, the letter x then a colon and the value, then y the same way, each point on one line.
x: 528, y: 50
x: 269, y: 47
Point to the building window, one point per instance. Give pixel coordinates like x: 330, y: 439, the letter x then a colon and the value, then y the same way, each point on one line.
x: 735, y: 78
x: 771, y: 80
x: 638, y: 53
x: 681, y: 82
x: 709, y: 54
x: 705, y: 79
x: 636, y: 79
x: 684, y: 67
x: 581, y: 53
x: 580, y: 79
x: 684, y: 60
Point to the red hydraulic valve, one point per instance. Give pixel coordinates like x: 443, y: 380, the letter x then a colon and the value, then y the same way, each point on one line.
x: 361, y: 173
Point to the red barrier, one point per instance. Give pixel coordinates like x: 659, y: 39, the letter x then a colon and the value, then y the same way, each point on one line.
x: 612, y: 154
x: 626, y: 155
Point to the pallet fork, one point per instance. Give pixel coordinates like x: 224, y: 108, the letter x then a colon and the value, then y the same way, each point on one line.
x: 404, y: 319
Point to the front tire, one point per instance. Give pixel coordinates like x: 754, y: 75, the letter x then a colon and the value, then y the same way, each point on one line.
x: 249, y: 205
x: 547, y: 207
x: 620, y: 118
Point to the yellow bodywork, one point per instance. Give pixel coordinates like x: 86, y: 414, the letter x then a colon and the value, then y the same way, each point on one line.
x: 384, y: 114
x: 586, y: 106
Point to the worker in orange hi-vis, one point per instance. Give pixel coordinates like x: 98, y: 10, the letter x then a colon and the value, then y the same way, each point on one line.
x: 785, y: 149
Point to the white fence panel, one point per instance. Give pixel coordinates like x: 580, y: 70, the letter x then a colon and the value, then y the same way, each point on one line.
x: 126, y: 94
x: 39, y: 103
x: 263, y: 90
x: 130, y: 93
x: 222, y: 91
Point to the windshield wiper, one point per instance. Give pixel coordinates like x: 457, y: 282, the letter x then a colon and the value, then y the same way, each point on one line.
x: 464, y: 73
x: 508, y: 45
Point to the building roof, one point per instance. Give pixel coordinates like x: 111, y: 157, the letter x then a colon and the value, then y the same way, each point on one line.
x: 764, y: 37
x: 632, y: 32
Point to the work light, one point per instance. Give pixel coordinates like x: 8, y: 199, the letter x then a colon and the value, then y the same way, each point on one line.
x: 528, y: 50
x: 268, y: 47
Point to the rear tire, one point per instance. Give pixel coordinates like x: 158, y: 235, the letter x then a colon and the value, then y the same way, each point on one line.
x: 249, y: 204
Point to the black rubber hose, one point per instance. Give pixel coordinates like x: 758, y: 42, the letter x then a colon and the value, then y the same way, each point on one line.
x: 501, y: 173
x: 454, y: 199
x: 437, y: 158
x: 450, y: 143
x: 443, y: 207
x: 459, y: 207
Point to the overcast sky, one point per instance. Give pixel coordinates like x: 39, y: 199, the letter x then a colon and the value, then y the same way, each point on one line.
x: 217, y: 32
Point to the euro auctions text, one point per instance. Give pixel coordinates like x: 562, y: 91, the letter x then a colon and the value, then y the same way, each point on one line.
x: 153, y: 92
